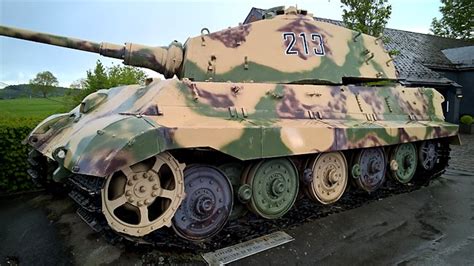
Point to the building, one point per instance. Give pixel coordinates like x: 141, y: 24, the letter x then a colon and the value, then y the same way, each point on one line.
x: 427, y: 61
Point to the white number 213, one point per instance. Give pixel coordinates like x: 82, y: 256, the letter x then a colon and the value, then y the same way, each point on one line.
x: 292, y: 40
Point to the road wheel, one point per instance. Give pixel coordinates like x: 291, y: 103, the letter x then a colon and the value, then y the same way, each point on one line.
x: 329, y: 177
x: 132, y: 198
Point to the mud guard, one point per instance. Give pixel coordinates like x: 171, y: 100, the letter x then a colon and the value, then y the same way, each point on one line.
x: 122, y: 143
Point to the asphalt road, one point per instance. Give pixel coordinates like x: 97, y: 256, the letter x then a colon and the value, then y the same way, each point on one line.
x: 430, y: 226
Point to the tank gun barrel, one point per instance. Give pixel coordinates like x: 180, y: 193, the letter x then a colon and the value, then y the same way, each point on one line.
x: 165, y: 60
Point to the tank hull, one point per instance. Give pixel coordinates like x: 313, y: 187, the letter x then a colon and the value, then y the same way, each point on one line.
x: 244, y: 120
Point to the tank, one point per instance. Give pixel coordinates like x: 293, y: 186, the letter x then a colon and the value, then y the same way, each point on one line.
x: 258, y: 117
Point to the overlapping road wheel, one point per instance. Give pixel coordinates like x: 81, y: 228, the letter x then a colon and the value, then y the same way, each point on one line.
x: 207, y: 205
x: 369, y: 168
x: 428, y: 155
x: 132, y: 198
x: 233, y: 171
x: 403, y: 162
x: 329, y: 177
x: 274, y: 187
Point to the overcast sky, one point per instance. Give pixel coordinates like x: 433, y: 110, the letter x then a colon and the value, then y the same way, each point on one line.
x: 147, y: 22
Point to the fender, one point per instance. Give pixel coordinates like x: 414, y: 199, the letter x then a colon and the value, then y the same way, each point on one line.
x: 121, y: 143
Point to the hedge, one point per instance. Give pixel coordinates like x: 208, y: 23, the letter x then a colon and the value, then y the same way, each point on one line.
x: 13, y: 154
x: 467, y: 120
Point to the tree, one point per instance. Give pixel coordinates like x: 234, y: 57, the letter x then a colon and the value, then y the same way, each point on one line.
x: 44, y: 83
x: 78, y: 84
x: 457, y: 19
x: 105, y: 78
x: 124, y: 75
x: 97, y: 79
x: 367, y: 16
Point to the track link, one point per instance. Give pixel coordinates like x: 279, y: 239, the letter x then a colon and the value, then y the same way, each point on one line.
x: 90, y: 218
x: 90, y: 204
x: 88, y: 184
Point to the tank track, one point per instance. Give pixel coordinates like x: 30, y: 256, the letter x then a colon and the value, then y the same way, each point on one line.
x: 85, y: 191
x: 40, y: 170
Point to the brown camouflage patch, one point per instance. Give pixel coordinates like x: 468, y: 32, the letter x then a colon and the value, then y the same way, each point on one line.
x: 290, y: 106
x: 219, y: 100
x: 233, y: 37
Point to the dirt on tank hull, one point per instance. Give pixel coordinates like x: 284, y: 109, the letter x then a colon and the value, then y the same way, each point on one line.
x: 196, y: 152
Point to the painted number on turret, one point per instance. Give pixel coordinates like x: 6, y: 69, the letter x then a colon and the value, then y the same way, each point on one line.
x: 299, y: 43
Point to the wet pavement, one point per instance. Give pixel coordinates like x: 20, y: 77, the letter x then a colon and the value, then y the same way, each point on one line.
x: 431, y: 226
x: 463, y: 156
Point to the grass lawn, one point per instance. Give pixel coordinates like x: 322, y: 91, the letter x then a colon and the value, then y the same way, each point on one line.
x: 26, y: 107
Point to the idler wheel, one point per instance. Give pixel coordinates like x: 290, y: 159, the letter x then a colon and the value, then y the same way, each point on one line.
x: 328, y: 178
x: 207, y: 205
x: 403, y: 162
x: 233, y: 171
x: 428, y: 155
x: 132, y: 197
x: 274, y: 186
x: 368, y: 168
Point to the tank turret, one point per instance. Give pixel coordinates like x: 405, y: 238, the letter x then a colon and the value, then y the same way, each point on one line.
x: 286, y: 46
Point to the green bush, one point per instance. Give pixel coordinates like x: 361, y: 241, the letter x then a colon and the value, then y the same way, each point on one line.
x: 467, y: 120
x: 13, y: 154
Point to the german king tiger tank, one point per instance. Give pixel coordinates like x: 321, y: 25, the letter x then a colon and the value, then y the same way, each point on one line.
x: 260, y: 116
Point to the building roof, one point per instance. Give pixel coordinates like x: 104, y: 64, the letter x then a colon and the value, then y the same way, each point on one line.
x: 419, y: 54
x: 463, y: 57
